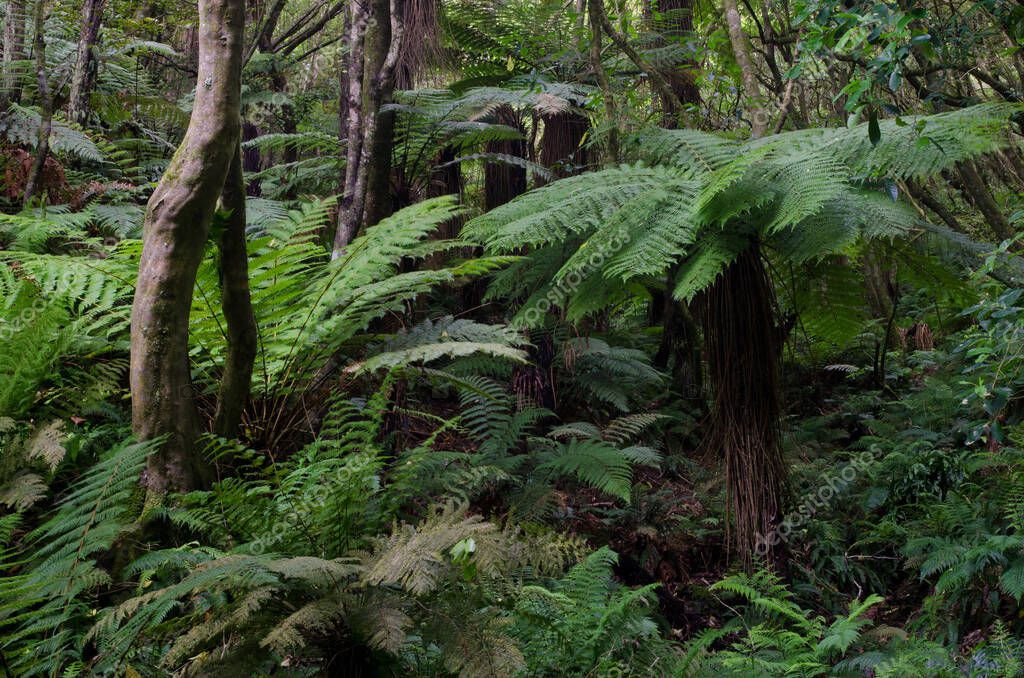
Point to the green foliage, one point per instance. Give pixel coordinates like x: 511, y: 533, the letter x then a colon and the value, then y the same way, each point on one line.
x: 777, y: 637
x: 587, y: 624
x: 46, y: 611
x: 398, y: 502
x: 700, y: 199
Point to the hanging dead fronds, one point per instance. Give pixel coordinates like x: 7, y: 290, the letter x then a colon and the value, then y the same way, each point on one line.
x: 742, y: 343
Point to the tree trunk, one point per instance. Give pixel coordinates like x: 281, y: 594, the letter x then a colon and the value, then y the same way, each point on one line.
x: 977, y: 192
x: 176, y: 229
x: 14, y: 48
x: 84, y: 78
x: 741, y: 51
x: 236, y: 305
x: 561, y: 147
x: 359, y: 17
x: 743, y: 351
x: 35, y: 175
x: 375, y: 45
x: 594, y: 13
x: 251, y: 160
x: 503, y: 181
x: 678, y: 22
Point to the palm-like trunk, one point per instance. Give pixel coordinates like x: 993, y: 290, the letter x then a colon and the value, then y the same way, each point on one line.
x: 503, y: 181
x: 743, y: 352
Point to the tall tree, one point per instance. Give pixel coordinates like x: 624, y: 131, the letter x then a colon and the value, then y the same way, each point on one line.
x: 84, y: 77
x: 376, y: 36
x: 748, y: 76
x: 176, y: 229
x: 13, y: 50
x: 35, y: 175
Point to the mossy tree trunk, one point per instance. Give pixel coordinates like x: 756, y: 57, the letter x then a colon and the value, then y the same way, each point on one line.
x: 742, y: 52
x: 35, y: 176
x: 83, y: 80
x: 376, y: 36
x: 13, y: 50
x: 176, y: 230
x: 236, y: 304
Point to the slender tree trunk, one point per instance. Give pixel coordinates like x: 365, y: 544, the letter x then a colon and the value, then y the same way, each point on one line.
x: 236, y: 305
x: 375, y: 44
x: 742, y: 52
x: 34, y: 181
x: 359, y: 17
x: 14, y: 48
x: 176, y: 230
x: 977, y: 192
x: 84, y: 78
x: 251, y: 159
x: 597, y: 65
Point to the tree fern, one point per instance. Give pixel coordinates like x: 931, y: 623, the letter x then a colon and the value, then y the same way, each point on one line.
x: 49, y: 606
x: 802, y: 195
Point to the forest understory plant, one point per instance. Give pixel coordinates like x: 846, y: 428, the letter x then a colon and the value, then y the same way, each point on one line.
x: 516, y: 338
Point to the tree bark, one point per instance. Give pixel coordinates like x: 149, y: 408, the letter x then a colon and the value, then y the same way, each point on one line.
x: 358, y: 21
x: 977, y: 192
x: 236, y: 305
x: 503, y: 181
x: 561, y: 146
x: 84, y: 78
x: 741, y: 51
x: 14, y: 47
x: 743, y: 353
x: 597, y: 65
x: 375, y: 44
x: 679, y: 18
x: 176, y: 230
x: 35, y: 175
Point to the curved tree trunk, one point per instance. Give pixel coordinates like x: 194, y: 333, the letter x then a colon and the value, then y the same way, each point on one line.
x: 236, y: 305
x: 176, y: 229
